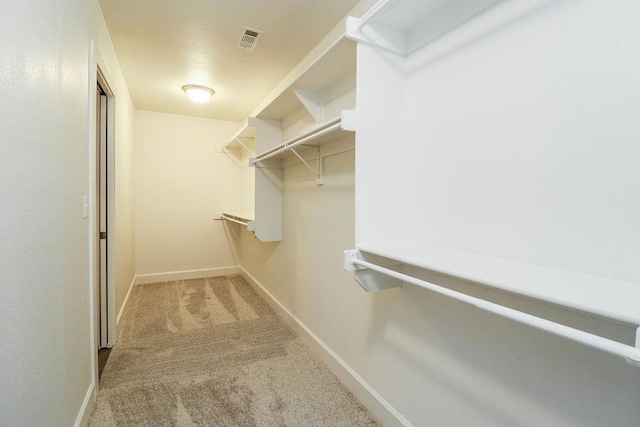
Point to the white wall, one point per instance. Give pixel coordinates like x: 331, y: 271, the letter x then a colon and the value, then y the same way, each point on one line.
x: 44, y: 309
x: 180, y: 182
x: 436, y: 361
x: 44, y: 173
x: 522, y: 137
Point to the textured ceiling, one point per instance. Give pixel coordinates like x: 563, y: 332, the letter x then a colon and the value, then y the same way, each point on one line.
x: 165, y: 44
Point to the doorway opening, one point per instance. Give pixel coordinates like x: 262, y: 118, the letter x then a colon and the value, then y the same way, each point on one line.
x: 103, y: 212
x: 102, y: 229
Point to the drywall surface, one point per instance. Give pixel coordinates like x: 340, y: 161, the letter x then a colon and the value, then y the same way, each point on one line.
x: 521, y: 137
x: 180, y: 182
x: 123, y: 122
x: 44, y: 252
x: 436, y: 361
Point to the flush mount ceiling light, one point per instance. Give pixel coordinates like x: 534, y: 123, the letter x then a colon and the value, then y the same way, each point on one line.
x: 198, y: 93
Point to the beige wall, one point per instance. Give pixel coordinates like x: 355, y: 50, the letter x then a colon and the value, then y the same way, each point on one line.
x: 180, y: 182
x: 46, y: 355
x: 434, y: 360
x: 45, y: 368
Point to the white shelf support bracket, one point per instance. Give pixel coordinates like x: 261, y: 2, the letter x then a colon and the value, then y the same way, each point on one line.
x: 370, y: 280
x: 313, y: 102
x: 376, y: 35
x: 320, y: 178
x: 638, y: 337
x: 242, y: 145
x: 317, y: 172
x: 252, y: 162
x: 349, y: 257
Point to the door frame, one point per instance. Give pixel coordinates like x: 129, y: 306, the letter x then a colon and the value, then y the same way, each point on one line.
x: 98, y: 74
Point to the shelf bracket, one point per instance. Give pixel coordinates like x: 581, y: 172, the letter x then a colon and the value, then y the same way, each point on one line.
x: 638, y: 337
x: 370, y: 280
x: 313, y: 102
x: 317, y: 172
x: 376, y: 35
x: 242, y: 144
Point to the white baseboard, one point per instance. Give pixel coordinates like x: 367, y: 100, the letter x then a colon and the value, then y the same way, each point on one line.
x: 126, y: 300
x: 185, y: 275
x: 379, y: 407
x: 82, y: 420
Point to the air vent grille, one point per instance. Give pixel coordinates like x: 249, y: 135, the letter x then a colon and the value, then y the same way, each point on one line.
x: 249, y: 38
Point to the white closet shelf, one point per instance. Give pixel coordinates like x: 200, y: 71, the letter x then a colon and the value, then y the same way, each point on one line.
x: 608, y: 298
x: 242, y: 219
x: 316, y: 84
x: 404, y: 26
x: 323, y: 134
x: 243, y: 139
x: 365, y: 273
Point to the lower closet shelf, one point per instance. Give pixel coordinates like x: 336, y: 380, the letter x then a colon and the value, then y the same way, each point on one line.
x: 239, y: 219
x: 605, y: 297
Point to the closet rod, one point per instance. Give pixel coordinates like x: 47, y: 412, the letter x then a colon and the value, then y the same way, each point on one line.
x: 278, y: 148
x: 289, y: 145
x: 629, y: 353
x: 371, y: 13
x: 225, y: 217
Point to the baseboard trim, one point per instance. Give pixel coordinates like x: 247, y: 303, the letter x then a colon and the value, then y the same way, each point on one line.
x: 126, y: 300
x: 82, y: 420
x: 142, y: 279
x: 356, y: 384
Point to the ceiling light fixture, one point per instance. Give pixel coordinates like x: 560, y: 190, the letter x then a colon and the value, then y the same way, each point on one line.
x: 198, y: 93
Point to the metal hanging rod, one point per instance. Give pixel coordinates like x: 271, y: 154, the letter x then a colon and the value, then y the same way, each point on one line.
x: 328, y: 128
x: 238, y: 220
x: 629, y: 353
x: 325, y: 125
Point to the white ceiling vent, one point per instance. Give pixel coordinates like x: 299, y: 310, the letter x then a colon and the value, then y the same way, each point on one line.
x: 249, y: 38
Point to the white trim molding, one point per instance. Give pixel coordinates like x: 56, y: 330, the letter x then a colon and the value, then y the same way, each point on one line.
x: 380, y: 408
x: 125, y: 301
x: 141, y: 279
x: 82, y: 419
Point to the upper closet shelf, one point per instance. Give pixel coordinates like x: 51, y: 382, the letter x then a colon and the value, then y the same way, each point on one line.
x: 604, y: 297
x: 403, y: 26
x: 323, y: 134
x: 244, y: 139
x: 316, y: 86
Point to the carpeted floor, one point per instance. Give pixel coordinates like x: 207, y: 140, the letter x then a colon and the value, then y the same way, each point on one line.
x: 210, y: 352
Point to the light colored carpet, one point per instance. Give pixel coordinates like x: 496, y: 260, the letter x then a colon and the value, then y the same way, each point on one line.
x: 210, y: 352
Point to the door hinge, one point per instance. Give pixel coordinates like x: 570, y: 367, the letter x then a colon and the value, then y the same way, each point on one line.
x: 103, y: 235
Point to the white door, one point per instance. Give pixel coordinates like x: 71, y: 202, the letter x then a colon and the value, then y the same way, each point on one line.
x: 102, y: 210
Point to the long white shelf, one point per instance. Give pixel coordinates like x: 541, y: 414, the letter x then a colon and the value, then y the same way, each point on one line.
x: 330, y: 131
x: 403, y: 26
x: 317, y: 83
x: 609, y: 298
x: 362, y: 268
x: 244, y: 139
